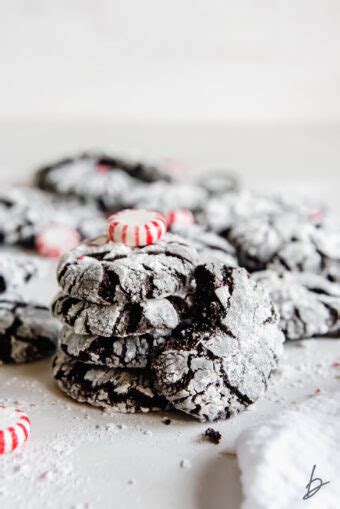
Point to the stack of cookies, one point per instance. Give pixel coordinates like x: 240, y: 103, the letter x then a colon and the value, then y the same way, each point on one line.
x: 118, y: 302
x: 147, y: 326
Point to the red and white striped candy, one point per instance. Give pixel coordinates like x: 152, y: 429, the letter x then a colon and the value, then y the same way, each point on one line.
x: 56, y: 239
x: 180, y: 217
x: 136, y: 227
x: 15, y: 428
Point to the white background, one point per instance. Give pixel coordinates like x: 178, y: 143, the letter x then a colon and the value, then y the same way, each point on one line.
x: 208, y: 61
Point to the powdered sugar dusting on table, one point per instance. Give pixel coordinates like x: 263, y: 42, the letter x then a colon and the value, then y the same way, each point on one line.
x: 54, y: 465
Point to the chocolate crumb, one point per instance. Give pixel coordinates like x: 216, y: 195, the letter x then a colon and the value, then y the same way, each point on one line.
x: 213, y: 436
x: 166, y: 421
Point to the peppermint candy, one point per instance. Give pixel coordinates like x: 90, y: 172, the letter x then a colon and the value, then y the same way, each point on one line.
x: 15, y: 428
x: 180, y: 217
x: 136, y: 227
x: 56, y: 239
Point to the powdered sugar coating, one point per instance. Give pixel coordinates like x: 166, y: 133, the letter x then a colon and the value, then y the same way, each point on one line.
x: 152, y: 316
x: 25, y: 211
x: 113, y: 352
x: 16, y: 270
x: 105, y: 272
x: 287, y: 242
x: 319, y: 254
x: 27, y: 331
x: 121, y: 390
x: 210, y: 246
x: 99, y: 177
x: 221, y: 363
x: 308, y: 304
x: 221, y: 212
x: 257, y: 240
x: 218, y: 182
x: 165, y: 196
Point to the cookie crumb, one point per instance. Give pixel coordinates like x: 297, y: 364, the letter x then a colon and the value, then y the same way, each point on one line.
x: 213, y: 436
x: 166, y: 421
x: 185, y: 464
x: 132, y: 482
x: 148, y: 432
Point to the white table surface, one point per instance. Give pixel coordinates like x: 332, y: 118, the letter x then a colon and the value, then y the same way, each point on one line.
x: 80, y: 457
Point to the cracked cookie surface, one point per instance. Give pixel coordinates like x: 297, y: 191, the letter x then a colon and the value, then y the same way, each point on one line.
x: 16, y: 270
x: 106, y: 180
x: 25, y: 211
x: 105, y: 272
x: 209, y: 246
x: 221, y: 362
x: 166, y: 196
x: 28, y: 332
x: 222, y: 212
x: 155, y: 316
x: 283, y: 241
x: 113, y: 352
x: 122, y: 390
x: 308, y: 304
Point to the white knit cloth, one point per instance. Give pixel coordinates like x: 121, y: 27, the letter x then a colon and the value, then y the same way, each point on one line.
x: 276, y: 458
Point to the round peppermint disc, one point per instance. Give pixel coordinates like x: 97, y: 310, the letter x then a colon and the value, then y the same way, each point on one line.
x: 180, y: 217
x: 15, y: 428
x: 136, y: 227
x: 56, y: 239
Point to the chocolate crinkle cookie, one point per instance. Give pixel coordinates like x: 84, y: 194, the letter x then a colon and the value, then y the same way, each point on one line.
x: 209, y: 246
x: 105, y: 272
x: 167, y: 196
x: 27, y: 331
x: 218, y: 182
x: 222, y: 212
x: 220, y: 363
x: 112, y: 352
x: 16, y: 270
x: 102, y: 178
x: 284, y: 241
x: 308, y: 304
x: 155, y: 316
x: 121, y: 390
x: 25, y: 211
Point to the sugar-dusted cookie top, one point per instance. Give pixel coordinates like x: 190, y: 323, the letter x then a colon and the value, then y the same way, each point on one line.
x: 105, y: 272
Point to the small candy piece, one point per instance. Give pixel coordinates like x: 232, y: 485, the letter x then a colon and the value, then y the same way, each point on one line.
x: 136, y: 227
x: 56, y: 239
x: 316, y: 216
x: 15, y: 428
x: 180, y: 217
x: 102, y: 168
